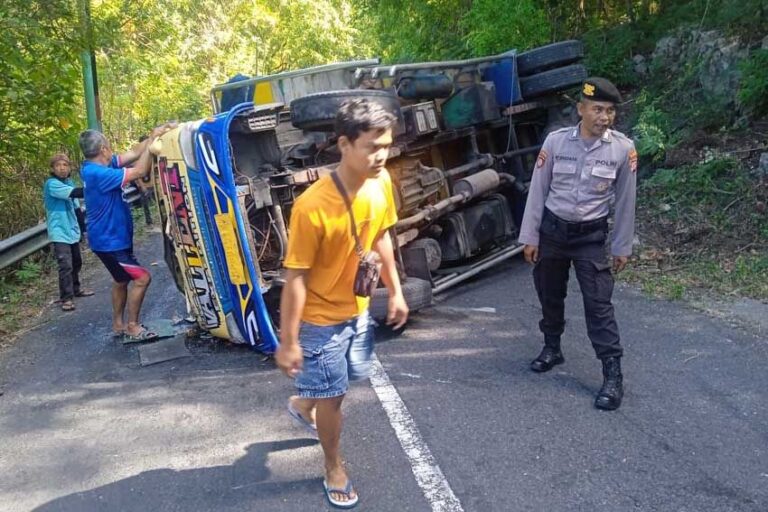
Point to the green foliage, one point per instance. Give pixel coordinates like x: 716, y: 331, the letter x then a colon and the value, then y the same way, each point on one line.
x: 24, y: 289
x: 608, y: 53
x: 717, y: 198
x: 29, y: 271
x: 490, y: 29
x: 155, y: 61
x: 39, y: 102
x: 753, y: 93
x: 158, y: 60
x: 744, y: 274
x: 405, y: 31
x: 704, y: 230
x: 652, y: 130
x: 699, y: 185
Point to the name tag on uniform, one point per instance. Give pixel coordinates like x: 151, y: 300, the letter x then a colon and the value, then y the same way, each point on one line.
x: 564, y: 169
x: 604, y: 172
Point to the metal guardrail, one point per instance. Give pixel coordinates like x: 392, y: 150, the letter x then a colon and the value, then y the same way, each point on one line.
x: 18, y: 247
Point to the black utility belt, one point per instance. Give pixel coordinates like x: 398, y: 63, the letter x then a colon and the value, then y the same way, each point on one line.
x: 578, y: 227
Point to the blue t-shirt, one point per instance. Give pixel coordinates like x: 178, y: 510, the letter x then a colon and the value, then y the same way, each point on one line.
x: 110, y: 225
x: 60, y: 211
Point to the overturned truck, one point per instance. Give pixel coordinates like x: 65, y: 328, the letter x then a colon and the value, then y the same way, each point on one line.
x: 468, y: 132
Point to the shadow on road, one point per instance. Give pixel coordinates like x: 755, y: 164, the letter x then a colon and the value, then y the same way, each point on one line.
x: 211, y: 488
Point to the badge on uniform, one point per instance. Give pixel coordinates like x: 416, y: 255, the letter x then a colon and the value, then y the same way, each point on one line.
x: 589, y: 89
x: 542, y: 159
x: 633, y: 160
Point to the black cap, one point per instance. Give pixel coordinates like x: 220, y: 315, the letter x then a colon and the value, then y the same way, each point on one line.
x: 600, y: 89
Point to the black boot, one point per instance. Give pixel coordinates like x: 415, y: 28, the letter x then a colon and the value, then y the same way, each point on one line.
x: 609, y: 397
x: 549, y: 357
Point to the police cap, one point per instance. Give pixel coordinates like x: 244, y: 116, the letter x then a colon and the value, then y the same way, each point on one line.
x: 600, y: 89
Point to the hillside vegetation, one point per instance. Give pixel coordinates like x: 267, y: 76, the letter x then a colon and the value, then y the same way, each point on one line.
x: 703, y: 195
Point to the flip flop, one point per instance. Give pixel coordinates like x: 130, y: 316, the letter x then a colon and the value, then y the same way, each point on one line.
x: 143, y: 335
x: 67, y: 305
x: 346, y: 491
x: 84, y: 293
x: 300, y: 421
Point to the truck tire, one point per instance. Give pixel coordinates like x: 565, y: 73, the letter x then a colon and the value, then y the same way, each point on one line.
x: 552, y: 81
x: 550, y: 56
x: 417, y: 292
x: 317, y: 112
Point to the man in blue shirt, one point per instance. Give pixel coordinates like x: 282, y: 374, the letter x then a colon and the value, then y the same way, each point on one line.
x: 60, y: 197
x: 110, y: 225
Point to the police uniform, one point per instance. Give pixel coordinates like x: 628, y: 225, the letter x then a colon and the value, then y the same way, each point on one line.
x: 574, y: 185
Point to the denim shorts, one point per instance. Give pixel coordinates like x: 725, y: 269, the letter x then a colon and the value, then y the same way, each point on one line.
x: 334, y: 355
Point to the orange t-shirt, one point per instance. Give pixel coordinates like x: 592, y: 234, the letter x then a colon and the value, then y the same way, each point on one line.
x: 320, y: 239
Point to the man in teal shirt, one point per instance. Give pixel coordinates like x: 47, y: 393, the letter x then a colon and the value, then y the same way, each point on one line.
x: 60, y: 197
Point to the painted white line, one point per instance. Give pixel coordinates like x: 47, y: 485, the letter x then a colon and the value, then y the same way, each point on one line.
x: 428, y: 474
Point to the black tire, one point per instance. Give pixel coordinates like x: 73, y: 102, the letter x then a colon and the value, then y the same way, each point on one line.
x: 317, y: 112
x: 417, y: 292
x: 552, y: 81
x: 550, y: 56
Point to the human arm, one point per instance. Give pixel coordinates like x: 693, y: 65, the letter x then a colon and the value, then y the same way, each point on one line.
x: 624, y: 220
x: 303, y: 243
x: 534, y: 205
x: 289, y: 356
x: 59, y: 189
x: 140, y: 169
x: 137, y: 151
x: 397, y: 310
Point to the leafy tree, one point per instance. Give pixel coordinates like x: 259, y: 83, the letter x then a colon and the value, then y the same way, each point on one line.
x: 39, y: 101
x: 491, y: 29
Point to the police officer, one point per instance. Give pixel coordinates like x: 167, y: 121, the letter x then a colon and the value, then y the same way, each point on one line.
x: 579, y: 173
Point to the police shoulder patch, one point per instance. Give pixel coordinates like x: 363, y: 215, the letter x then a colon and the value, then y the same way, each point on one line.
x: 633, y: 160
x: 541, y: 159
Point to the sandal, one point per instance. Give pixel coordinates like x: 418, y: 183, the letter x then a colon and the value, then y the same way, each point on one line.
x: 143, y: 335
x: 84, y: 293
x: 67, y: 305
x: 302, y: 422
x: 346, y: 491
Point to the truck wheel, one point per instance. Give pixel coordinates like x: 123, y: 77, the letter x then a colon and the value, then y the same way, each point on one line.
x: 317, y: 112
x: 552, y: 81
x: 417, y: 292
x: 549, y: 56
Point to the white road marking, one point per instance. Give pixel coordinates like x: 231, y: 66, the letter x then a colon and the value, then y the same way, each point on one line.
x: 428, y: 474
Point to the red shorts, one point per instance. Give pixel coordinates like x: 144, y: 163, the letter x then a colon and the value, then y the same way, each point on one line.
x: 122, y: 265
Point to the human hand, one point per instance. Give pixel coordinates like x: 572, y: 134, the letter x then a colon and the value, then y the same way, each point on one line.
x: 531, y: 253
x: 289, y: 358
x: 397, y: 311
x: 619, y: 263
x: 162, y: 129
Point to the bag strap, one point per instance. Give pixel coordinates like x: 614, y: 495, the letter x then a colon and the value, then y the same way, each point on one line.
x: 340, y: 186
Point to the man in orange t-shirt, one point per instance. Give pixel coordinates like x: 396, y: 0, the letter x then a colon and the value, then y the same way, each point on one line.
x: 326, y: 339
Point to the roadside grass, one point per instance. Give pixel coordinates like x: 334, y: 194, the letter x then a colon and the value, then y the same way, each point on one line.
x: 24, y: 294
x: 744, y: 276
x: 703, y: 229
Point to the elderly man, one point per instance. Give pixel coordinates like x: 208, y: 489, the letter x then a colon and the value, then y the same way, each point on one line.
x: 61, y: 196
x: 110, y: 225
x: 580, y: 173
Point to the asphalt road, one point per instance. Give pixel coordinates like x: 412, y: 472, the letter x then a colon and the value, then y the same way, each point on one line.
x: 84, y: 427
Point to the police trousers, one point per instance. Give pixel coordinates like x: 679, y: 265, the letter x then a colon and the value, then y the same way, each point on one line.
x: 582, y: 244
